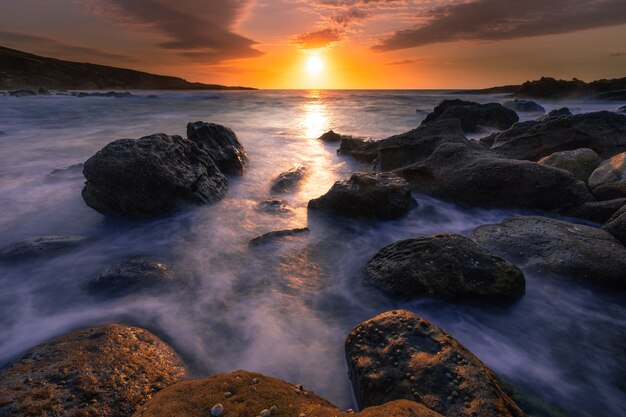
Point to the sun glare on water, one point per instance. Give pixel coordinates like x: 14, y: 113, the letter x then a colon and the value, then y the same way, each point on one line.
x: 314, y: 64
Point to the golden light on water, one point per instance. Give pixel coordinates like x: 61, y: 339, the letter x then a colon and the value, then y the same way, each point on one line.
x: 315, y: 116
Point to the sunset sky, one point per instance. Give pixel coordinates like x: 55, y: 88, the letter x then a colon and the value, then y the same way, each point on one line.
x: 330, y: 43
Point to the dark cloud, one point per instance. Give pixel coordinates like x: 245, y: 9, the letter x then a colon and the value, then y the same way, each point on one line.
x: 54, y: 48
x: 318, y: 39
x: 405, y: 61
x: 492, y: 20
x: 201, y: 30
x: 350, y: 16
x: 618, y: 55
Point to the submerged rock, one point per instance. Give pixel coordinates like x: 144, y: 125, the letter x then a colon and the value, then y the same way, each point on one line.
x: 289, y: 180
x: 608, y: 181
x: 524, y: 106
x: 40, y: 246
x: 616, y: 225
x: 100, y: 371
x: 133, y: 275
x: 473, y: 116
x: 151, y: 176
x: 399, y: 355
x: 22, y: 93
x: 277, y: 235
x: 580, y: 162
x: 270, y: 396
x: 544, y: 245
x: 382, y: 196
x: 275, y: 206
x: 449, y: 266
x: 221, y: 144
x: 71, y: 172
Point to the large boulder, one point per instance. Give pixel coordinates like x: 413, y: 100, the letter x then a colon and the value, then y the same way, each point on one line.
x: 289, y: 180
x: 524, y: 106
x: 151, y: 176
x: 40, y: 246
x: 580, y: 162
x: 248, y: 394
x: 418, y: 144
x: 479, y: 178
x: 449, y: 266
x: 383, y: 196
x: 617, y: 225
x: 596, y: 211
x: 474, y: 116
x: 604, y: 132
x: 100, y: 372
x: 544, y: 245
x: 136, y: 274
x: 221, y: 144
x: 608, y: 181
x: 399, y: 355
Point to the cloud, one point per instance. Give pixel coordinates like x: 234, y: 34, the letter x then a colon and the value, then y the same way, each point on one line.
x: 493, y: 20
x: 617, y: 55
x: 319, y: 38
x: 200, y: 30
x: 56, y: 48
x: 405, y: 61
x: 350, y: 16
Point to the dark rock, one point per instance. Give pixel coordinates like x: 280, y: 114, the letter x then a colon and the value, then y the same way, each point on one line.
x: 22, y: 93
x: 151, y: 176
x: 563, y: 111
x: 40, y: 246
x: 580, y: 162
x: 43, y: 91
x: 114, y: 94
x: 289, y: 180
x: 548, y: 87
x: 133, y: 275
x: 596, y: 211
x: 71, y: 172
x: 449, y: 266
x: 399, y: 355
x: 81, y: 94
x: 277, y: 235
x: 101, y: 372
x: 617, y: 225
x: 367, y: 152
x: 604, y: 132
x: 196, y: 398
x: 619, y: 95
x: 275, y: 206
x: 622, y: 109
x: 350, y: 143
x: 524, y: 106
x: 330, y: 136
x: 221, y: 144
x: 382, y: 196
x: 473, y: 116
x: 546, y: 245
x: 152, y: 96
x: 418, y: 144
x: 479, y: 178
x: 608, y: 181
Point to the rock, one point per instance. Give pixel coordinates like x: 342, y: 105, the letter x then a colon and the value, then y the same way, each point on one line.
x: 622, y: 109
x: 350, y: 143
x: 217, y: 409
x: 277, y: 235
x: 22, y: 93
x: 152, y: 96
x: 40, y: 246
x: 548, y: 87
x: 43, y: 91
x: 289, y: 180
x: 604, y: 132
x: 383, y: 196
x: 221, y: 144
x: 617, y: 225
x: 133, y: 275
x: 596, y: 211
x: 195, y: 398
x: 330, y: 136
x: 580, y: 162
x: 275, y: 206
x: 114, y: 94
x: 418, y: 144
x: 608, y: 181
x: 71, y: 172
x: 524, y: 106
x: 151, y: 176
x: 100, y: 371
x: 546, y: 245
x: 399, y: 355
x: 563, y: 111
x: 447, y: 265
x: 479, y: 178
x: 473, y: 116
x: 367, y: 152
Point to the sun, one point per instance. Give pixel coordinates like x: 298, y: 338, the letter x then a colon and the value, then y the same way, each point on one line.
x: 314, y: 64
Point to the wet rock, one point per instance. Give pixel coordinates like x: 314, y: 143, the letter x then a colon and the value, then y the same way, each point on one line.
x: 40, y: 246
x: 383, y: 196
x: 563, y: 111
x: 544, y: 245
x: 351, y: 143
x: 604, y: 132
x: 114, y: 94
x: 221, y: 144
x: 151, y: 176
x: 133, y: 275
x: 331, y: 136
x: 622, y: 109
x: 580, y: 162
x: 195, y: 398
x: 608, y: 181
x: 449, y: 266
x: 275, y: 206
x: 617, y: 225
x: 524, y: 106
x: 418, y: 144
x: 289, y: 180
x: 100, y: 371
x: 71, y: 172
x: 474, y: 116
x: 277, y: 235
x: 479, y: 178
x: 399, y: 355
x: 22, y: 93
x: 367, y: 152
x: 43, y: 91
x: 596, y: 211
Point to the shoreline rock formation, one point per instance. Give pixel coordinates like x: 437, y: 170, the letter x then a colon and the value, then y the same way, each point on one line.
x: 474, y: 116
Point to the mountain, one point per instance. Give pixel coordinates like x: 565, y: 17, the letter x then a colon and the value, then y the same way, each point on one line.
x: 21, y: 70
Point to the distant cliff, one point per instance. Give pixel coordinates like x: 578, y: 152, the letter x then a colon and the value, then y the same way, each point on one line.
x: 21, y: 70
